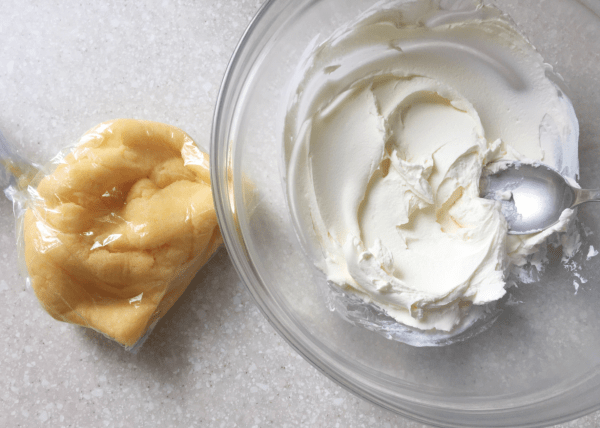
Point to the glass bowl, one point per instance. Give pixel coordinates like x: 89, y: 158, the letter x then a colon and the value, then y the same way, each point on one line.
x: 537, y: 365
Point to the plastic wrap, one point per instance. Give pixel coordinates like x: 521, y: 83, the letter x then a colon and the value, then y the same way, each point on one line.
x: 112, y: 230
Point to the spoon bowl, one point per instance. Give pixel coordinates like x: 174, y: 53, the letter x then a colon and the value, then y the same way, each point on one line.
x: 533, y: 196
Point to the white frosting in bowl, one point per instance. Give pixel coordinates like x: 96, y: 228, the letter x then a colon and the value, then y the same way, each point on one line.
x: 392, y: 121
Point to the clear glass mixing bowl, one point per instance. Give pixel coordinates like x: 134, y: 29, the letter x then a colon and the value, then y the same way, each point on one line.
x: 539, y: 364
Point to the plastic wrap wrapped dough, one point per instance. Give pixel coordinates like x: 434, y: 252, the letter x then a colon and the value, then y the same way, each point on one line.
x: 114, y: 235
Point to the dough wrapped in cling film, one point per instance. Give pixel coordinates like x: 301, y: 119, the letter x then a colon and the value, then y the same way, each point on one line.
x: 115, y: 229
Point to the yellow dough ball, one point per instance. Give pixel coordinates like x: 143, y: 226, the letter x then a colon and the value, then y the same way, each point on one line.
x: 120, y: 228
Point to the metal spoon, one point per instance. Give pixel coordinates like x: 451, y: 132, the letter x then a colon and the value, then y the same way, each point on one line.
x: 533, y: 196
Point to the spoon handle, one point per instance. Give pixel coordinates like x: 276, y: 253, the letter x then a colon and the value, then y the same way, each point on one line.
x: 586, y: 195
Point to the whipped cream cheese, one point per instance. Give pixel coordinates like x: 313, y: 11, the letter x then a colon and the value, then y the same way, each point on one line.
x: 391, y: 123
